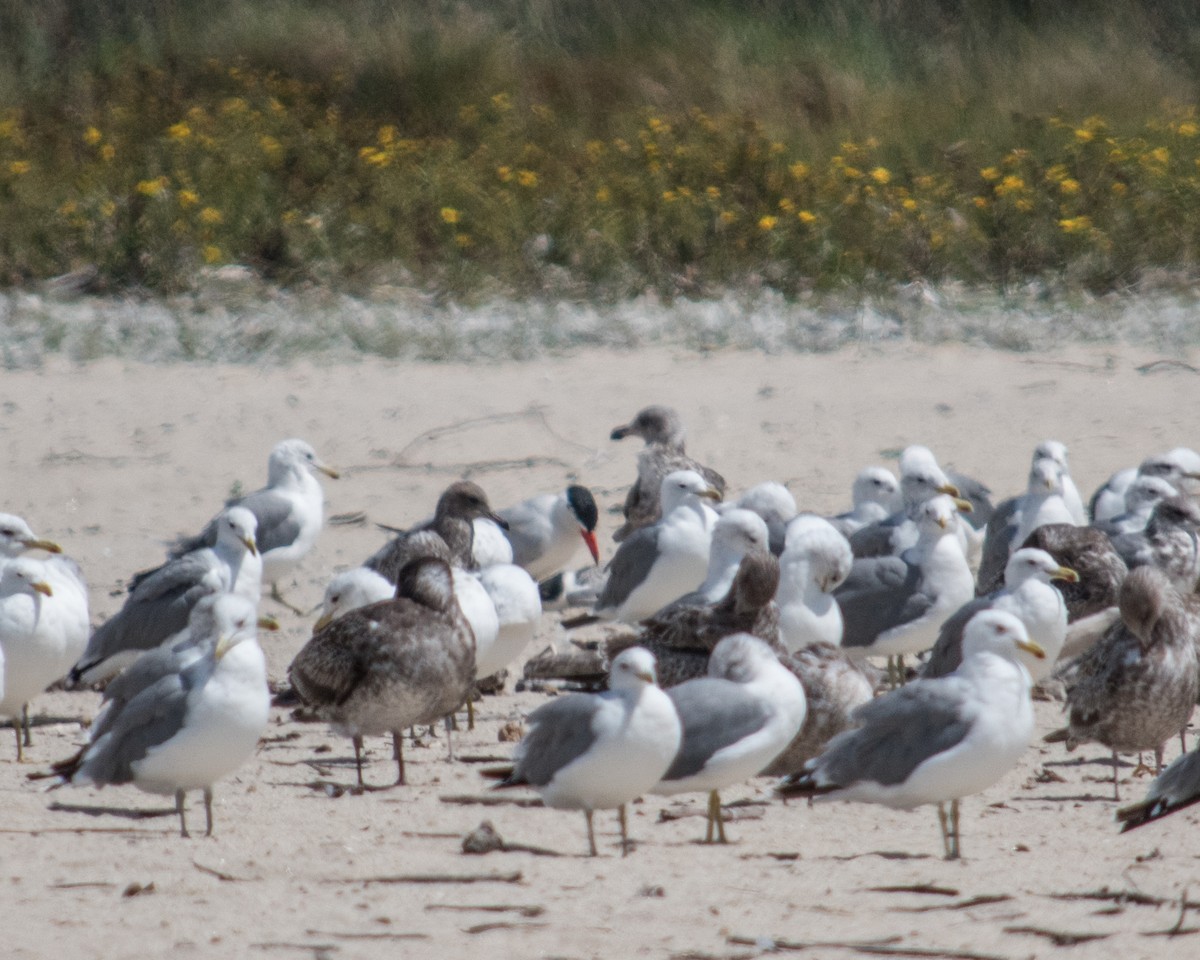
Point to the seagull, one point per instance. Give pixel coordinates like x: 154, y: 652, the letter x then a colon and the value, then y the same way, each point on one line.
x: 160, y: 600
x: 1089, y: 553
x: 451, y: 527
x: 921, y: 479
x: 545, y: 531
x: 289, y: 511
x: 735, y: 534
x: 1176, y: 788
x: 517, y: 603
x: 662, y: 430
x: 875, y: 496
x: 774, y: 503
x: 489, y: 545
x: 16, y: 539
x: 1171, y: 542
x: 1141, y: 497
x: 1043, y: 501
x: 349, y: 590
x: 1179, y: 467
x: 660, y: 563
x: 390, y: 665
x: 735, y: 722
x: 39, y: 638
x: 1137, y: 686
x: 815, y: 562
x: 182, y: 718
x: 1028, y: 593
x: 896, y: 605
x: 598, y: 751
x: 62, y: 573
x: 938, y: 740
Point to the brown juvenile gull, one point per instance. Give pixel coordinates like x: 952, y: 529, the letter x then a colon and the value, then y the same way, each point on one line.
x: 937, y: 740
x: 182, y: 718
x: 1029, y: 594
x: 662, y: 430
x: 545, y: 531
x: 1089, y: 553
x: 289, y: 511
x: 1137, y: 686
x: 735, y: 721
x: 451, y: 527
x: 160, y: 600
x: 896, y: 605
x: 1170, y: 542
x: 1176, y: 788
x: 921, y: 479
x: 390, y: 665
x: 598, y: 751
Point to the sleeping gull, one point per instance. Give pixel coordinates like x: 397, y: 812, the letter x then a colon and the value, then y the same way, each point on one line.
x: 451, y: 527
x: 735, y: 721
x: 186, y: 717
x: 598, y: 751
x: 1141, y: 497
x: 815, y: 562
x: 545, y: 531
x: 518, y: 609
x: 1137, y: 686
x: 392, y: 664
x: 40, y: 636
x: 735, y: 534
x: 1171, y: 542
x: 896, y: 605
x: 160, y: 600
x: 289, y: 511
x: 774, y: 503
x: 490, y: 544
x: 1176, y: 788
x: 660, y: 563
x: 874, y: 496
x: 662, y: 430
x: 937, y: 740
x: 921, y: 479
x: 1029, y: 595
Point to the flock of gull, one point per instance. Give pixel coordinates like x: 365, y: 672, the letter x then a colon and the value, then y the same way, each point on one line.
x: 738, y: 639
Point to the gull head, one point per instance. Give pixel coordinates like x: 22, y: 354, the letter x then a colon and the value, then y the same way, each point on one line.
x: 994, y: 631
x: 16, y: 538
x: 633, y: 669
x: 1031, y: 563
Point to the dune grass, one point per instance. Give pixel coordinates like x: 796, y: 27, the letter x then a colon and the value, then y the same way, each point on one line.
x: 599, y: 148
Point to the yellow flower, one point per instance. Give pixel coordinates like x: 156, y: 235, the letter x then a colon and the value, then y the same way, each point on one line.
x: 776, y: 148
x: 981, y: 203
x: 387, y: 134
x: 669, y: 196
x: 787, y: 205
x: 463, y: 240
x: 92, y: 136
x: 211, y: 216
x: 881, y: 175
x: 212, y: 254
x: 1083, y: 135
x: 909, y: 204
x: 108, y: 208
x: 1160, y: 156
x: 449, y: 215
x: 595, y: 149
x: 19, y: 167
x: 1075, y: 224
x: 990, y: 173
x: 1119, y: 188
x: 107, y: 152
x: 152, y: 188
x: 188, y: 198
x: 504, y: 173
x: 271, y: 147
x: 767, y: 223
x: 179, y: 131
x: 67, y: 208
x: 1010, y: 184
x: 603, y: 195
x: 713, y: 193
x: 527, y: 178
x: 1024, y: 205
x: 502, y: 102
x: 806, y: 217
x: 1069, y: 186
x: 1188, y: 129
x: 727, y: 216
x: 798, y: 170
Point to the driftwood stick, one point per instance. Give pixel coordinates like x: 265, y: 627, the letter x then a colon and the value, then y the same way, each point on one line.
x: 433, y: 878
x: 885, y: 948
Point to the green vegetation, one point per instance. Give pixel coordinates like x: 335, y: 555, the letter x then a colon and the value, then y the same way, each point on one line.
x: 600, y: 148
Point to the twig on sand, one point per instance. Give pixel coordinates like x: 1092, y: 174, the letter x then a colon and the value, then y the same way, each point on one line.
x: 371, y: 935
x: 522, y: 909
x: 433, y: 878
x: 916, y: 888
x: 487, y: 800
x: 887, y: 947
x: 501, y: 925
x: 1115, y: 896
x: 219, y: 874
x: 980, y: 901
x: 1158, y: 366
x: 1060, y: 938
x: 1178, y: 930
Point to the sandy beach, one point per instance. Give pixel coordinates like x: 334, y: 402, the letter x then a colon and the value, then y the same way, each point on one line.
x: 113, y: 458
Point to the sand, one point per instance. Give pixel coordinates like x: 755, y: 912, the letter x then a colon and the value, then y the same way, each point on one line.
x: 112, y: 458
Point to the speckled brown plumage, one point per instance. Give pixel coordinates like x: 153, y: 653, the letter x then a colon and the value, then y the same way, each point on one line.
x: 1090, y: 554
x: 1171, y: 542
x: 393, y: 664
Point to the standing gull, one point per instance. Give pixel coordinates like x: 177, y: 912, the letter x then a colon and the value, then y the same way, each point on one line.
x: 735, y: 721
x: 1137, y: 686
x: 186, y: 717
x: 1141, y: 497
x: 896, y: 605
x: 938, y: 740
x: 1179, y: 467
x: 1029, y: 595
x: 1043, y: 502
x: 39, y: 637
x: 598, y: 751
x: 774, y: 503
x: 874, y: 496
x: 1171, y: 542
x: 735, y: 534
x: 289, y: 511
x: 451, y: 527
x: 660, y: 563
x: 815, y: 562
x: 393, y: 664
x: 662, y: 430
x: 16, y: 538
x: 545, y: 531
x: 160, y: 600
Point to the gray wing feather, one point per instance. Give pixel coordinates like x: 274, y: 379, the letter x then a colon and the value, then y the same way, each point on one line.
x: 998, y: 544
x: 875, y: 539
x: 560, y: 732
x: 629, y: 567
x: 715, y: 714
x: 882, y: 602
x: 277, y: 526
x: 898, y: 732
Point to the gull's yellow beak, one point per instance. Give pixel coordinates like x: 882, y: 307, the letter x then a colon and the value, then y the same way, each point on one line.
x: 48, y: 545
x: 250, y: 544
x: 645, y: 675
x: 329, y: 471
x: 42, y: 587
x: 267, y: 622
x: 325, y: 620
x: 949, y: 489
x: 1032, y: 648
x: 1065, y: 573
x: 711, y: 493
x: 224, y: 643
x: 964, y: 506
